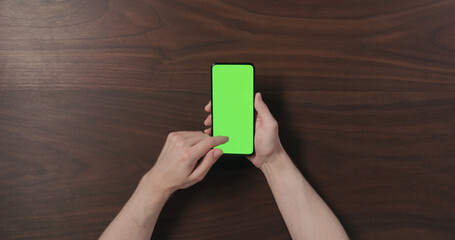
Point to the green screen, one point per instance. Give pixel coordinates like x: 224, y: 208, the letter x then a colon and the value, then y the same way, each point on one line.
x: 232, y: 106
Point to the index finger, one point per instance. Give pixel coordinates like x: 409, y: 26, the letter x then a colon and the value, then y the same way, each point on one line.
x: 201, y: 148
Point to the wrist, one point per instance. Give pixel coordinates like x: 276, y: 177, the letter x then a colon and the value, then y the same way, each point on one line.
x: 276, y: 163
x: 152, y: 190
x: 146, y: 201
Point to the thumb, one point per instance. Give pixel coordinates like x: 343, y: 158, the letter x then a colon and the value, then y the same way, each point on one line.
x: 206, y: 163
x: 262, y: 108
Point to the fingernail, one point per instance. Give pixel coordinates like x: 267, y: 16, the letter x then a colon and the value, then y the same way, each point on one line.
x: 217, y: 153
x: 260, y: 95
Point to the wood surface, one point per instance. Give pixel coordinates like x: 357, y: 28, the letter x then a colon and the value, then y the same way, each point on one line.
x: 364, y: 92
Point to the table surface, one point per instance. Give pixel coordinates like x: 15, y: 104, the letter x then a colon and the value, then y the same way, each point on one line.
x: 364, y: 92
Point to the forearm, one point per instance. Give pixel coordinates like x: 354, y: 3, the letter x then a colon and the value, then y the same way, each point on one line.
x: 306, y: 215
x: 138, y: 217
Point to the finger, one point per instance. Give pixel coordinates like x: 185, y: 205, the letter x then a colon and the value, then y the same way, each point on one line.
x: 189, y: 134
x: 208, y: 131
x: 205, y: 145
x: 262, y: 108
x: 186, y: 134
x: 208, y: 107
x: 196, y: 137
x: 206, y: 163
x: 208, y: 120
x: 187, y: 138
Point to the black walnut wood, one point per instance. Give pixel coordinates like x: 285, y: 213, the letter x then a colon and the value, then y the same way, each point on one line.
x: 364, y: 92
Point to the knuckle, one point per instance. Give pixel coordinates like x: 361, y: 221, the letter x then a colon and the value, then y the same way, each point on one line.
x: 171, y: 135
x: 274, y: 124
x: 207, y: 141
x: 180, y: 142
x: 186, y: 154
x: 199, y: 177
x: 193, y: 179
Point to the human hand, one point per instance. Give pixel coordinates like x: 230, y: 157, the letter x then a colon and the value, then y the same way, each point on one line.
x: 267, y: 143
x: 177, y: 168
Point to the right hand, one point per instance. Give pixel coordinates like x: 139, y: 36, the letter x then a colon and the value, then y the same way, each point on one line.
x: 267, y: 143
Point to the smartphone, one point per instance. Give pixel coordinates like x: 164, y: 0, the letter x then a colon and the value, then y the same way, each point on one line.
x: 233, y: 106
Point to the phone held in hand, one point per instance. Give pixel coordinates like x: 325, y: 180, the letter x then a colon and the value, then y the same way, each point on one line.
x: 233, y: 106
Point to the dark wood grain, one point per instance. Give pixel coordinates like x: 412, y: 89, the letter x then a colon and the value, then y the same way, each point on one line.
x: 364, y: 92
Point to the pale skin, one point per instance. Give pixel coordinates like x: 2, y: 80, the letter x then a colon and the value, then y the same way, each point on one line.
x: 306, y: 215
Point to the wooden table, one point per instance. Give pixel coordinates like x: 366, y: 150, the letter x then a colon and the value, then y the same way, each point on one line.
x: 364, y: 92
